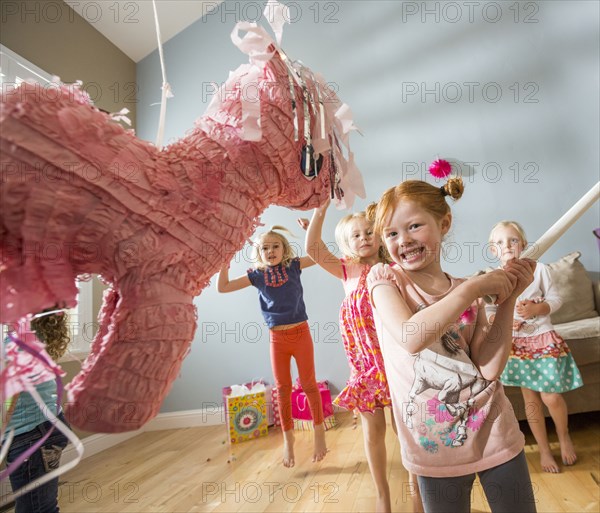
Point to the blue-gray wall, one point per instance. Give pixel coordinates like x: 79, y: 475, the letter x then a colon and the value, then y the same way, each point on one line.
x: 513, y: 91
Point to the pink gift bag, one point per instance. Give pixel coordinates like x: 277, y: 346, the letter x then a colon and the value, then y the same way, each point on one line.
x: 300, y: 407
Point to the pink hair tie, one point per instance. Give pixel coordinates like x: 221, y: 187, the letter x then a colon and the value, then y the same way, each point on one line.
x: 440, y: 168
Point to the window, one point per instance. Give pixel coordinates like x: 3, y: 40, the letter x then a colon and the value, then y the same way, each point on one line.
x: 81, y: 320
x: 14, y: 70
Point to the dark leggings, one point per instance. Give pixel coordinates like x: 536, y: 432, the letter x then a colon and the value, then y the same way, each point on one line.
x: 507, y: 488
x: 44, y: 498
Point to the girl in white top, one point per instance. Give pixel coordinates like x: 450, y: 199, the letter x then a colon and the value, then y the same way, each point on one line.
x: 443, y: 360
x: 540, y: 361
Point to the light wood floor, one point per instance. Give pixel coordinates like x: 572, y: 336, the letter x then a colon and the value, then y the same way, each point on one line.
x: 195, y: 470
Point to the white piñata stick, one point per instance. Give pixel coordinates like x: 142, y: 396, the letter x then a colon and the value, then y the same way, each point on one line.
x: 536, y: 250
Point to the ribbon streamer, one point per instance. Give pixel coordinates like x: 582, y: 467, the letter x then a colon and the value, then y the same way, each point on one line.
x: 256, y: 44
x: 166, y: 88
x: 57, y: 423
x: 26, y: 365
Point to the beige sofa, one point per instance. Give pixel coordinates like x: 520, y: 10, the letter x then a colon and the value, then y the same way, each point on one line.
x: 578, y: 322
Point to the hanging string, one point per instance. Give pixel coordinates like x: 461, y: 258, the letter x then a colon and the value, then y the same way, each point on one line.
x: 166, y: 88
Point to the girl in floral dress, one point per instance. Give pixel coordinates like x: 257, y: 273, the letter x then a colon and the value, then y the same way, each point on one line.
x: 367, y: 389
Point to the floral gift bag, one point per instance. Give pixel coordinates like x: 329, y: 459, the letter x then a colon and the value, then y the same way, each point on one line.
x: 245, y: 411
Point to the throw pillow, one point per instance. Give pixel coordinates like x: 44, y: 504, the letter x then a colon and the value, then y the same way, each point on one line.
x: 574, y: 287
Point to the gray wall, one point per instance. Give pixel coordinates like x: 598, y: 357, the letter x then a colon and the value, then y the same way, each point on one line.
x: 528, y: 120
x: 55, y: 38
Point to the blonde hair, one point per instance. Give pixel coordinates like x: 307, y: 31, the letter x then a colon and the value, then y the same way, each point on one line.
x: 53, y: 331
x: 428, y: 196
x: 510, y: 224
x: 288, y: 252
x: 342, y: 234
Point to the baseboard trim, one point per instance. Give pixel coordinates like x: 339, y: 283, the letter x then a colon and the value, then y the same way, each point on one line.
x: 96, y: 443
x: 186, y: 419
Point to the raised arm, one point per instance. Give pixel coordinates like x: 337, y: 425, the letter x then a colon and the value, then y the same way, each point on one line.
x: 317, y: 249
x: 306, y: 261
x: 226, y: 285
x: 418, y: 331
x: 491, y: 344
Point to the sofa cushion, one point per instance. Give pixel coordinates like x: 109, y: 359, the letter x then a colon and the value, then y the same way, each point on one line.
x: 575, y: 288
x: 586, y: 351
x: 583, y: 328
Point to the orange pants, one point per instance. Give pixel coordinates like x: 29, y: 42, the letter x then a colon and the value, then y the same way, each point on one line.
x: 296, y: 342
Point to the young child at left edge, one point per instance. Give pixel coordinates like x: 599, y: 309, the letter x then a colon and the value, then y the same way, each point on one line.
x: 276, y: 275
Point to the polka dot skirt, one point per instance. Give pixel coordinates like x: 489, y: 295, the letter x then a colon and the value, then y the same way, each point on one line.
x: 542, y: 363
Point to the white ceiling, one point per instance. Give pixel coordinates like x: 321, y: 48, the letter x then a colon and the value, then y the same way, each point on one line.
x: 130, y: 26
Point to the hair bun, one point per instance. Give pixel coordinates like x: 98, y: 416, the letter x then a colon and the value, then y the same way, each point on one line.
x: 370, y: 212
x: 454, y: 187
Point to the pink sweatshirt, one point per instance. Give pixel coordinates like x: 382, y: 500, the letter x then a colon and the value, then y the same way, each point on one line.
x: 450, y: 420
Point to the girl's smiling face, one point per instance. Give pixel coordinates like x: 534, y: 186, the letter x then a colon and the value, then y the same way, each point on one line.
x: 506, y: 243
x: 413, y: 236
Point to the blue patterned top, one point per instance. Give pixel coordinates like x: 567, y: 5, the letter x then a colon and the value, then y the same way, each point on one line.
x: 280, y: 293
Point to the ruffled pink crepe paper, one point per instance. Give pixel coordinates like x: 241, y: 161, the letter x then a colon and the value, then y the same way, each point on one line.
x: 155, y: 224
x: 258, y: 45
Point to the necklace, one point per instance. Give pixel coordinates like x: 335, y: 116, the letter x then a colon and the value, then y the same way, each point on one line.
x: 275, y: 276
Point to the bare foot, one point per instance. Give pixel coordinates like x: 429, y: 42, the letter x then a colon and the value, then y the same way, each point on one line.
x: 548, y: 463
x: 288, y: 448
x: 320, y: 445
x: 567, y: 451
